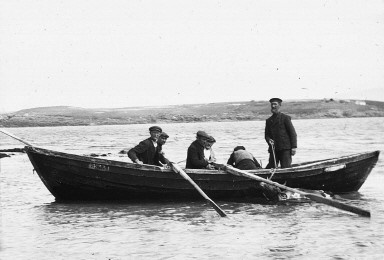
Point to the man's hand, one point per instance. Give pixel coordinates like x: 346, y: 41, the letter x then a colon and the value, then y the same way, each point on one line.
x: 138, y: 161
x: 293, y: 151
x: 271, y: 141
x: 210, y: 167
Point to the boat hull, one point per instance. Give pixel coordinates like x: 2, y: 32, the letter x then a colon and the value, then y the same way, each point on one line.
x: 75, y: 177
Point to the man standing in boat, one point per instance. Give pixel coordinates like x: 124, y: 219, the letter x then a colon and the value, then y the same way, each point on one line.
x: 195, y: 155
x: 148, y: 151
x: 280, y: 136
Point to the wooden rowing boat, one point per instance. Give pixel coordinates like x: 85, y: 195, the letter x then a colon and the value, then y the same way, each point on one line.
x: 76, y: 177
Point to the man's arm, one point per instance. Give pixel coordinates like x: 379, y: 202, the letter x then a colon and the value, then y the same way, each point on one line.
x: 212, y: 158
x: 138, y: 149
x: 194, y: 158
x: 231, y: 159
x: 292, y: 134
x: 268, y: 135
x: 256, y: 162
x: 162, y: 158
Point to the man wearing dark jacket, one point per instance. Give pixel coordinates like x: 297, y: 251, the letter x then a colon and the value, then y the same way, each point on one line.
x: 148, y: 151
x: 280, y: 136
x: 195, y: 154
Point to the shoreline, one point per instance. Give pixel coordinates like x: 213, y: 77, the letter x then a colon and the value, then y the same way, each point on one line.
x: 212, y: 112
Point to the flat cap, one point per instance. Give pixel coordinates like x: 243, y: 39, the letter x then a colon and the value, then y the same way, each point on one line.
x: 164, y: 135
x: 275, y: 99
x: 240, y: 147
x: 155, y: 128
x: 211, y: 139
x: 202, y: 134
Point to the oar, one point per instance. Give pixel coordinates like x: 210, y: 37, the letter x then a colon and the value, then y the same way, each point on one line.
x: 314, y: 197
x: 182, y: 161
x: 176, y: 168
x: 15, y: 137
x: 274, y: 160
x: 273, y: 152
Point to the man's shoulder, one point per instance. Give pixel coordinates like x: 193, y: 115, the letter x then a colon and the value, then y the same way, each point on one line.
x: 285, y: 116
x: 194, y: 145
x: 280, y: 116
x: 146, y: 141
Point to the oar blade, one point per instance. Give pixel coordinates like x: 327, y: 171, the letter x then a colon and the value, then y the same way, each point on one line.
x: 217, y: 208
x: 339, y: 205
x: 314, y: 197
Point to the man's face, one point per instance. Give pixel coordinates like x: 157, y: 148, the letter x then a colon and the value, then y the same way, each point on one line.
x: 208, y: 145
x: 275, y: 107
x: 202, y: 141
x: 154, y: 135
x: 162, y: 140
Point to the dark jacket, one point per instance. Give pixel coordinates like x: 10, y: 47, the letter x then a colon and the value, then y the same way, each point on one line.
x: 146, y: 152
x: 279, y: 128
x: 195, y: 156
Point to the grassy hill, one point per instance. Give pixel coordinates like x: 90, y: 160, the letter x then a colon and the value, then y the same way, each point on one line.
x: 225, y: 111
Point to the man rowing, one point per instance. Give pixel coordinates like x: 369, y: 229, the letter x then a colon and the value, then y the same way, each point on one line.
x: 195, y: 154
x: 149, y: 150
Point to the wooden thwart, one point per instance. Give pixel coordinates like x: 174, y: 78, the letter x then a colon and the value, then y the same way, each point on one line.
x: 314, y: 197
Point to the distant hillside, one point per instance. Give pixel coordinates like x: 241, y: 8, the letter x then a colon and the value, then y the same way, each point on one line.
x: 226, y: 111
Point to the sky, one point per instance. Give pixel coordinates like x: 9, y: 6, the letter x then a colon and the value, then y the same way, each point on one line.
x: 118, y: 53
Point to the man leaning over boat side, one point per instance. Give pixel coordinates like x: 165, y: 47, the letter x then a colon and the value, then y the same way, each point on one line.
x: 242, y: 159
x: 195, y: 153
x: 280, y: 136
x: 148, y: 151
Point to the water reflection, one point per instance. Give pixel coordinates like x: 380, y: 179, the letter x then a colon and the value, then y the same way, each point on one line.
x: 59, y: 212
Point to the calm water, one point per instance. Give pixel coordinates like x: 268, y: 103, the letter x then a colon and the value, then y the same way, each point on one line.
x: 34, y: 226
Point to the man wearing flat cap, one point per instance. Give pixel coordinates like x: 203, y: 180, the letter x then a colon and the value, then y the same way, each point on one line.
x: 209, y: 154
x: 148, y: 151
x: 280, y: 136
x: 160, y: 142
x: 162, y: 138
x: 195, y: 154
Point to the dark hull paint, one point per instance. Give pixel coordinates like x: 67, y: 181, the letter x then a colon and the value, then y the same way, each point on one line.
x: 75, y: 177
